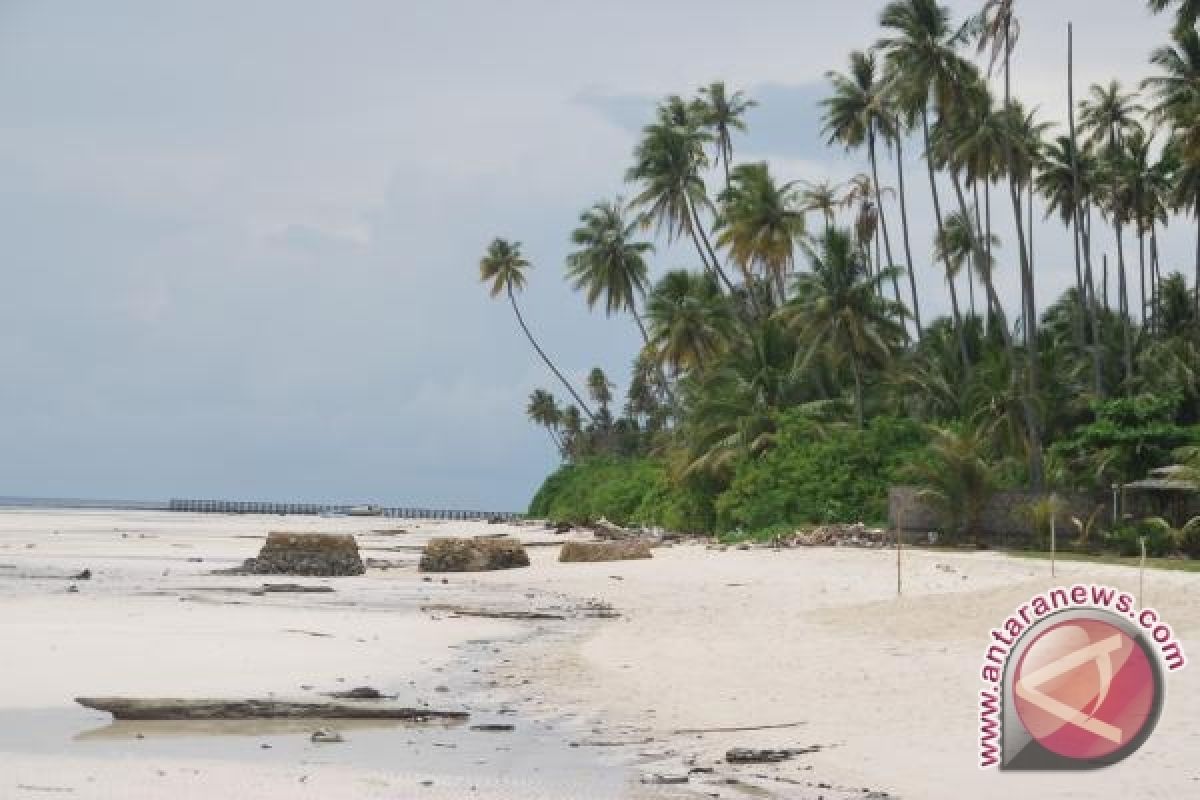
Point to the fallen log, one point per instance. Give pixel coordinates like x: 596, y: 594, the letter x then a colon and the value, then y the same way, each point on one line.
x: 171, y: 708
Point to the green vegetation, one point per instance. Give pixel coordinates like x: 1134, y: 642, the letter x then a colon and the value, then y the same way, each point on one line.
x: 788, y: 375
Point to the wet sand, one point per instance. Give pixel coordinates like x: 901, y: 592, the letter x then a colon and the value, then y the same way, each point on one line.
x: 813, y: 640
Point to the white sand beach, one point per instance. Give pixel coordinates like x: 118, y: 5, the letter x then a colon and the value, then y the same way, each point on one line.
x: 705, y: 639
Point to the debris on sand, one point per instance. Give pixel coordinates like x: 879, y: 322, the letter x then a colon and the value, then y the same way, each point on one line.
x: 488, y: 613
x: 361, y: 693
x: 313, y: 554
x: 749, y: 755
x: 619, y: 550
x: 479, y: 554
x: 174, y: 708
x: 326, y: 737
x: 494, y: 727
x: 837, y: 535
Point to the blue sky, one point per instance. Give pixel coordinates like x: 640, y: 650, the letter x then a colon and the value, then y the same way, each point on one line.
x: 240, y: 240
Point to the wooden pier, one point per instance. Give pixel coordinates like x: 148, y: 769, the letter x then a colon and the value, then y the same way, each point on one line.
x: 257, y: 507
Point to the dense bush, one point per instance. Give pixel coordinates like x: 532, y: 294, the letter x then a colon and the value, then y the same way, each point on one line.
x: 838, y: 474
x: 1124, y: 540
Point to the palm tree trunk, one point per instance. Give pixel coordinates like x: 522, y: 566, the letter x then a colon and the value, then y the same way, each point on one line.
x: 516, y: 310
x: 1088, y: 304
x: 987, y: 206
x: 668, y: 395
x: 887, y: 239
x: 1142, y: 270
x: 698, y: 228
x: 937, y: 210
x: 1196, y: 277
x: 912, y: 280
x: 1123, y: 299
x: 859, y: 413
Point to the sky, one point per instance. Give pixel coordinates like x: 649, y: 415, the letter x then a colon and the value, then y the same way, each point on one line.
x: 240, y: 240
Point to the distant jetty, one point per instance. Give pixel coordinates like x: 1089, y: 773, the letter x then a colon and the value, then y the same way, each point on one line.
x: 260, y: 507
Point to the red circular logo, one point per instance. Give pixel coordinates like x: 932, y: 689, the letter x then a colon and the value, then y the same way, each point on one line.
x: 1084, y: 689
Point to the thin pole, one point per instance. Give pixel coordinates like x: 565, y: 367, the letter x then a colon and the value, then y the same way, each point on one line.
x: 899, y: 542
x: 1142, y: 573
x: 1053, y: 542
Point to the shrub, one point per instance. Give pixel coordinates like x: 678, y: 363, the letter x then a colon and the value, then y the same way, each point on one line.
x: 812, y: 475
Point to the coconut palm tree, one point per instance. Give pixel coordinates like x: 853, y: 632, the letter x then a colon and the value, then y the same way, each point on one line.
x: 759, y: 223
x: 600, y: 388
x: 1107, y: 118
x: 856, y: 113
x: 1186, y: 14
x: 958, y: 478
x: 544, y: 411
x: 722, y: 113
x: 668, y: 162
x: 690, y: 321
x: 838, y: 311
x: 1066, y: 180
x: 1176, y: 93
x: 503, y: 266
x: 822, y: 197
x: 926, y: 73
x: 957, y: 246
x: 610, y: 263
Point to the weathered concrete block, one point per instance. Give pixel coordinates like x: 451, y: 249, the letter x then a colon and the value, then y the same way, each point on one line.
x: 626, y: 550
x: 479, y: 554
x: 317, y: 554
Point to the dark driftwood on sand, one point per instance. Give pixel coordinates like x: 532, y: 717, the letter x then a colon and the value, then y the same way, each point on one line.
x: 168, y: 708
x: 487, y: 613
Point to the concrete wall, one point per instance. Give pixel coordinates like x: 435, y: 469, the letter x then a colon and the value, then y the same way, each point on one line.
x: 1002, y: 519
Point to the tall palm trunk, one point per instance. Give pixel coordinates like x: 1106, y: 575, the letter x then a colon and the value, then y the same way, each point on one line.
x: 912, y: 279
x: 887, y: 239
x: 1196, y: 277
x: 937, y: 211
x: 859, y: 413
x: 699, y: 236
x: 521, y: 320
x: 663, y: 384
x: 1123, y: 301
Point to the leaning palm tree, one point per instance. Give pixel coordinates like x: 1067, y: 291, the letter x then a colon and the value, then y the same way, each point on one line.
x: 690, y: 321
x: 926, y: 73
x: 858, y: 113
x: 722, y: 113
x: 504, y: 267
x: 668, y: 162
x: 838, y: 311
x: 544, y: 411
x: 610, y: 263
x: 759, y: 223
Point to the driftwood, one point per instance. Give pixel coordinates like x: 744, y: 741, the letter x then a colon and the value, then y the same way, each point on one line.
x: 490, y: 614
x: 681, y: 731
x: 171, y: 708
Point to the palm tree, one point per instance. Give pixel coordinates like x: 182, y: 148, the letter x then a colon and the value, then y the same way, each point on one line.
x: 1107, y: 118
x: 759, y: 223
x: 504, y: 267
x: 855, y: 114
x: 690, y: 322
x: 1176, y: 92
x: 957, y: 479
x: 609, y: 262
x: 924, y: 72
x: 722, y: 113
x: 600, y: 388
x: 838, y: 310
x: 668, y: 162
x: 1067, y: 181
x: 957, y: 246
x: 543, y: 410
x: 1185, y: 15
x: 822, y: 197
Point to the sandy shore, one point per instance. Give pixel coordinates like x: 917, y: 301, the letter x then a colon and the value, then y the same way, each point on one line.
x: 885, y: 687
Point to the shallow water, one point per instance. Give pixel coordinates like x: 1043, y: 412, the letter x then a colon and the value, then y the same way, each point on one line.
x: 535, y: 751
